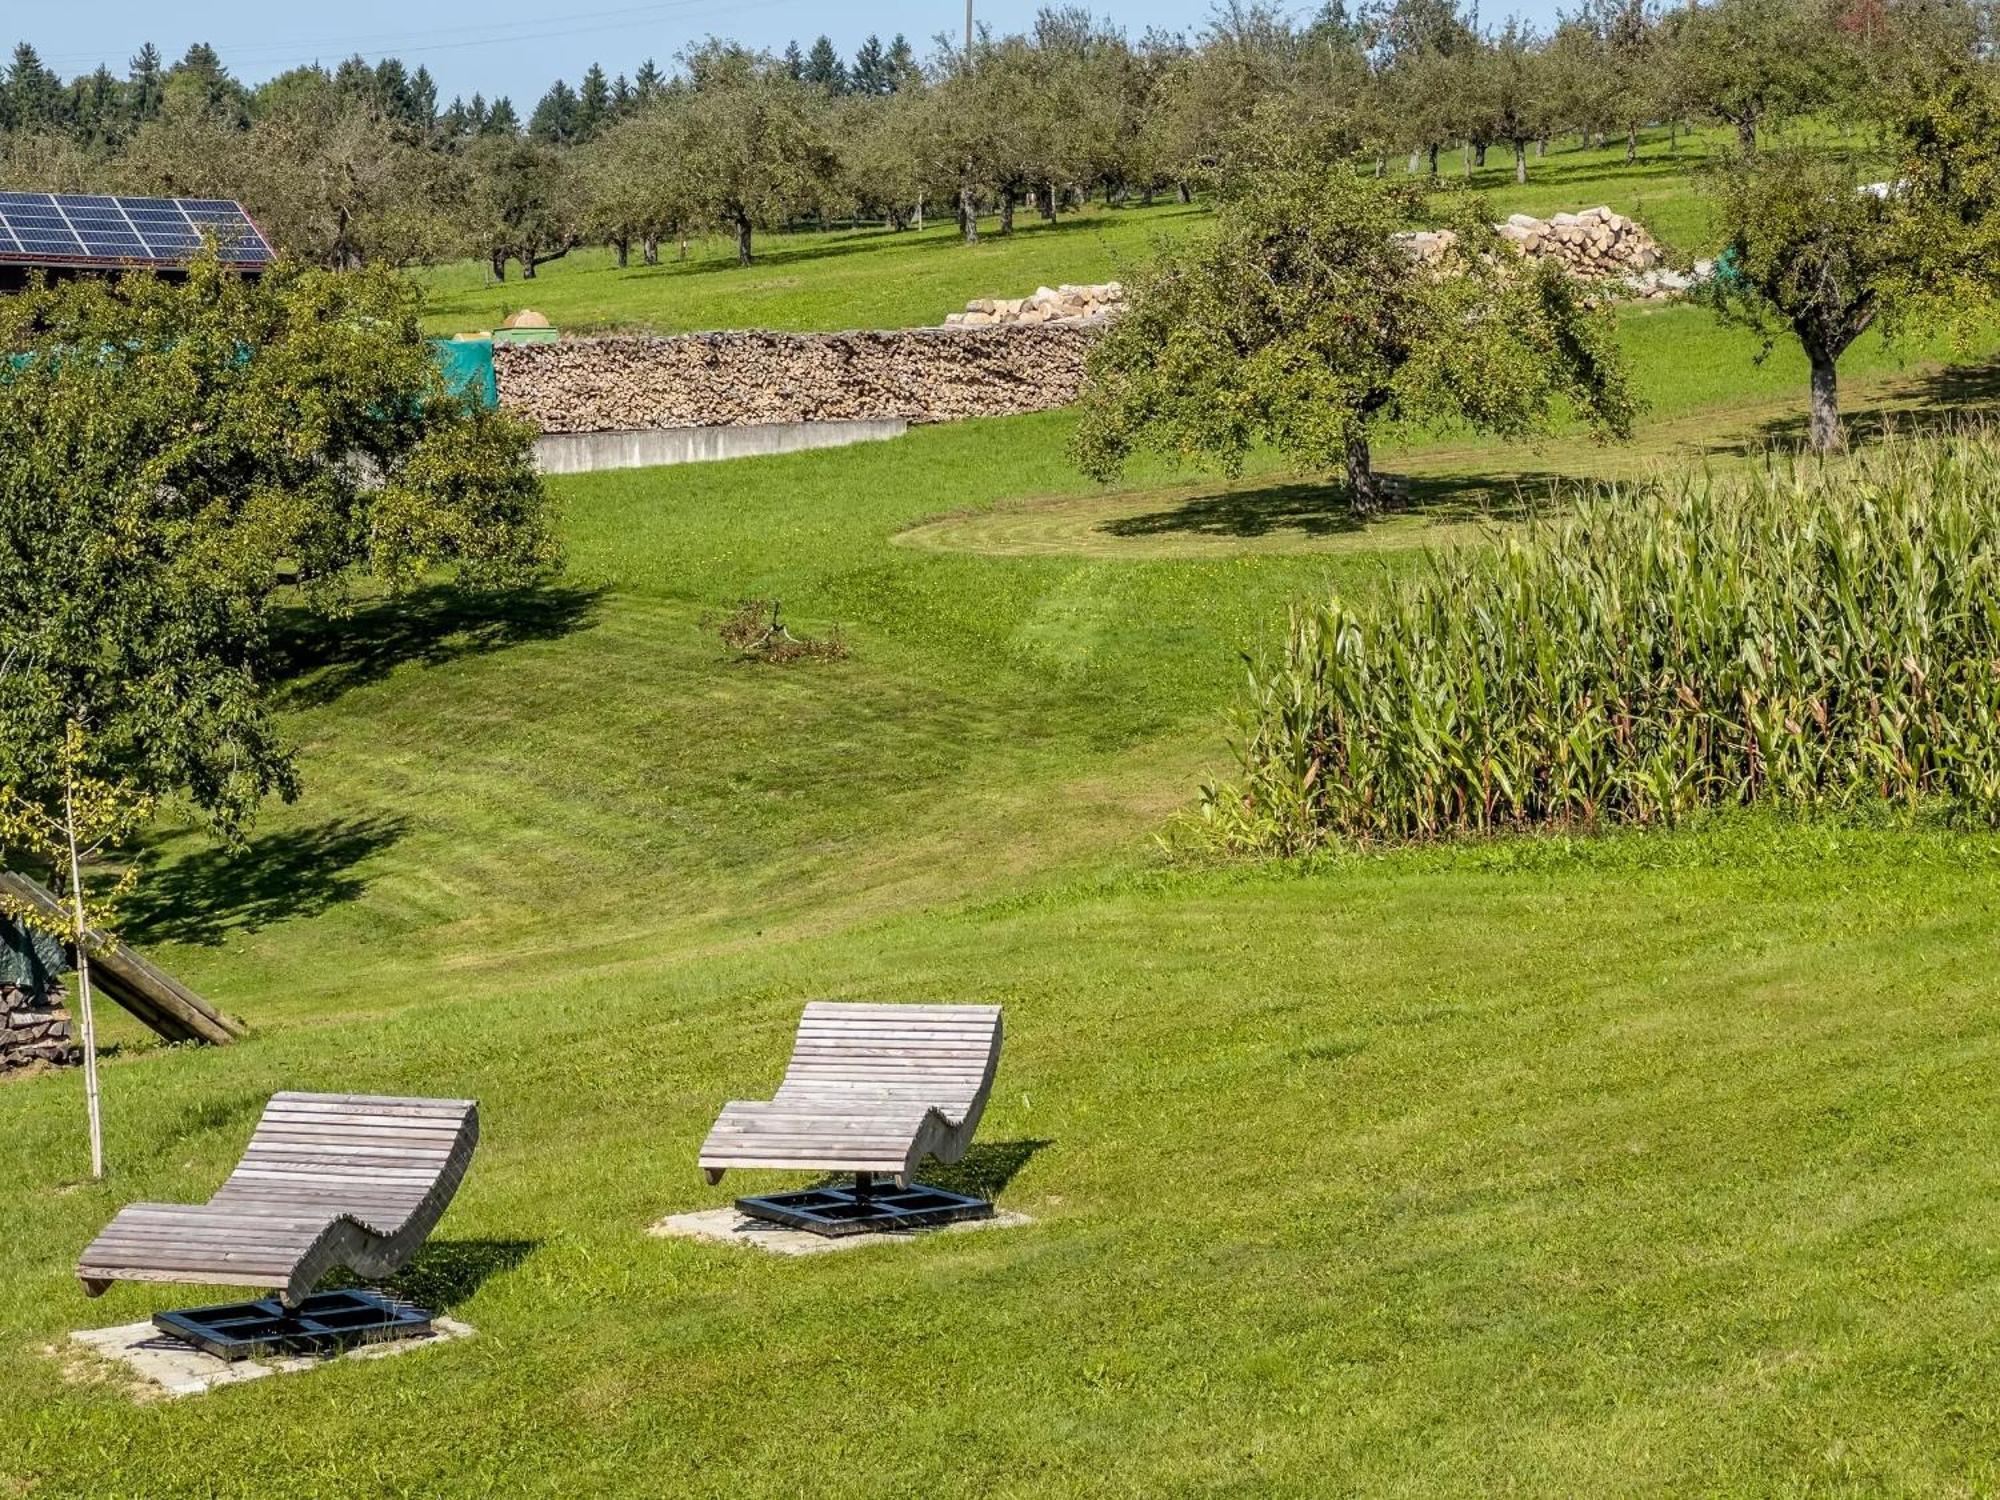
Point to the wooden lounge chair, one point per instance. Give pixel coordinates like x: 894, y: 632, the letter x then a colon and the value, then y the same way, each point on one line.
x: 328, y: 1180
x: 872, y: 1089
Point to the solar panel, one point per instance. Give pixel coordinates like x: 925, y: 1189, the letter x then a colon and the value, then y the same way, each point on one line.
x: 86, y: 229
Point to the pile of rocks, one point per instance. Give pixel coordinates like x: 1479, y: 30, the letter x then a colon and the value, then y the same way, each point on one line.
x: 1059, y: 304
x: 34, y: 1030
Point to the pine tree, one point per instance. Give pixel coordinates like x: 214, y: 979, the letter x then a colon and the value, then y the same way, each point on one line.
x: 35, y: 95
x: 593, y: 104
x: 824, y: 69
x: 143, y: 84
x: 501, y: 119
x: 870, y: 74
x: 555, y: 118
x: 646, y: 83
x: 795, y: 63
x: 423, y: 99
x: 903, y: 70
x: 621, y: 97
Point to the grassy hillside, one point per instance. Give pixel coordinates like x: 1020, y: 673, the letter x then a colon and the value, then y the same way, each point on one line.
x: 872, y: 278
x: 1637, y: 1165
x: 1628, y: 1166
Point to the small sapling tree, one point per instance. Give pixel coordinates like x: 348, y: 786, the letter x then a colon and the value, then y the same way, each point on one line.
x: 1304, y: 321
x: 93, y: 817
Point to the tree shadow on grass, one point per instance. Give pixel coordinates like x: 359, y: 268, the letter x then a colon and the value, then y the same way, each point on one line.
x: 203, y: 897
x: 447, y: 1272
x: 317, y: 658
x: 1939, y: 398
x: 1312, y: 509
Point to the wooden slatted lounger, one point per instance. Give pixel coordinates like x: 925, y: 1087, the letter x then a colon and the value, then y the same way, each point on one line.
x: 871, y: 1089
x: 328, y: 1180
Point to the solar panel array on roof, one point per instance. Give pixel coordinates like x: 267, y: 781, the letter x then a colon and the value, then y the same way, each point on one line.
x: 84, y: 229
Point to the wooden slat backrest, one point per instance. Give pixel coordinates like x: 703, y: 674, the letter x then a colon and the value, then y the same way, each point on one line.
x: 373, y: 1157
x: 937, y: 1055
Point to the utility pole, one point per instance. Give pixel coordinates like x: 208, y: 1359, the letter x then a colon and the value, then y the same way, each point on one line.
x: 968, y: 34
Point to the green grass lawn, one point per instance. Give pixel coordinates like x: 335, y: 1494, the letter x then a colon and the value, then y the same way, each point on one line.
x: 873, y: 278
x: 1644, y: 1165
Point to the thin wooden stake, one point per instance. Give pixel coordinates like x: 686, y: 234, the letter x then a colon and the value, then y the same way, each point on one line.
x: 87, y: 1016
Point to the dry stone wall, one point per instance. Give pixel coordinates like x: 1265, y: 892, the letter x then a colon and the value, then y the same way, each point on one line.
x: 738, y: 379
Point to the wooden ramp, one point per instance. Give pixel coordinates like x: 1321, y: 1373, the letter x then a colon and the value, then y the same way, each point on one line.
x: 126, y: 978
x: 871, y: 1088
x: 328, y: 1181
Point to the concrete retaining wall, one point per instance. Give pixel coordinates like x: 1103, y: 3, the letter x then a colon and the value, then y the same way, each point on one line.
x: 589, y: 452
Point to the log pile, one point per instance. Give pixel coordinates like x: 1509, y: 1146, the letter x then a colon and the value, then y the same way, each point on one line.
x: 1060, y: 304
x: 745, y: 378
x: 1595, y: 245
x: 33, y: 1030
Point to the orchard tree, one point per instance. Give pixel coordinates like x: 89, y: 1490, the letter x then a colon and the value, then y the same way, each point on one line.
x: 756, y: 141
x: 1305, y: 322
x: 1745, y: 62
x: 1812, y: 253
x: 171, y: 451
x: 525, y: 204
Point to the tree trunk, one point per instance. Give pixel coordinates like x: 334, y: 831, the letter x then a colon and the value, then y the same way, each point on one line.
x: 968, y: 217
x: 1520, y: 161
x: 742, y: 240
x: 1465, y: 160
x: 649, y: 250
x: 528, y: 266
x: 86, y: 1013
x: 1381, y: 164
x: 681, y: 250
x: 1416, y: 161
x: 1541, y: 147
x: 1479, y: 156
x: 1006, y: 210
x: 1746, y: 134
x: 1050, y: 204
x: 1434, y: 159
x: 1631, y: 144
x: 1181, y: 191
x: 1827, y: 436
x: 1364, y: 492
x: 920, y: 213
x: 624, y: 249
x: 499, y: 265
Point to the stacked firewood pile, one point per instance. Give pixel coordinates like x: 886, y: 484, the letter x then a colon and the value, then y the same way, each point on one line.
x: 33, y: 1030
x: 745, y: 378
x: 1595, y: 245
x: 1060, y: 304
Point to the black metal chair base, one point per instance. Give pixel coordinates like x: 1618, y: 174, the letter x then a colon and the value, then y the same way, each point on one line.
x: 325, y: 1323
x: 865, y: 1208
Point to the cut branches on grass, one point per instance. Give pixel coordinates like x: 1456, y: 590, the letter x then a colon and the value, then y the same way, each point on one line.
x: 1811, y: 637
x: 757, y: 632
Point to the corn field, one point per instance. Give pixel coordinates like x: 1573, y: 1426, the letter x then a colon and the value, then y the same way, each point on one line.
x: 1806, y: 636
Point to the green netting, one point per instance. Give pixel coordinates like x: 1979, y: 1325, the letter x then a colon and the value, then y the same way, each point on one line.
x: 468, y: 367
x: 30, y: 958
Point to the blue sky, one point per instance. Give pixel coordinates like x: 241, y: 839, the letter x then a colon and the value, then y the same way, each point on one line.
x: 515, y: 47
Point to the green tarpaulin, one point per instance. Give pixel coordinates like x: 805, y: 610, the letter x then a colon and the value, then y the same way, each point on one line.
x: 468, y: 367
